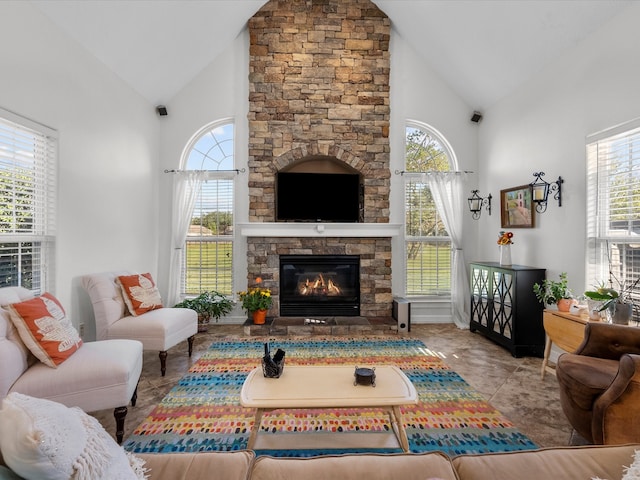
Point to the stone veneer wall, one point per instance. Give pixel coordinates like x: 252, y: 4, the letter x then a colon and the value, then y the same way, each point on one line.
x: 319, y: 85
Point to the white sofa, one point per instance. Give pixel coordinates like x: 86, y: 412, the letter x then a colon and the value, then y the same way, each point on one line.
x: 158, y: 329
x: 98, y: 376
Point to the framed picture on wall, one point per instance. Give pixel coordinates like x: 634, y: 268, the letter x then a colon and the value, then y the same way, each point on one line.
x: 516, y: 207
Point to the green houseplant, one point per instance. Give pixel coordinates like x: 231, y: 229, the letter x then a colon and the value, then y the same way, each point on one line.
x: 608, y: 296
x: 208, y: 305
x: 617, y: 303
x: 550, y: 292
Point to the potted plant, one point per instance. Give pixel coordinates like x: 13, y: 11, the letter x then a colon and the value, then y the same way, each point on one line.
x: 556, y: 292
x: 208, y: 305
x: 256, y: 301
x: 617, y: 304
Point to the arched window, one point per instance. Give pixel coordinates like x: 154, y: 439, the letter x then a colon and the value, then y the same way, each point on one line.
x: 207, y: 259
x: 427, y: 243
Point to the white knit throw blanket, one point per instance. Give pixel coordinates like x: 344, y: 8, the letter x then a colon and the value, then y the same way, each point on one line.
x: 632, y: 472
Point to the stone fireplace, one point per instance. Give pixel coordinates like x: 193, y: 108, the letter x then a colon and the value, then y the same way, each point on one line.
x: 319, y: 89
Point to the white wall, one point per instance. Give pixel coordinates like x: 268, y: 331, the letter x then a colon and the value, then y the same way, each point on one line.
x: 542, y: 127
x: 108, y: 135
x: 417, y: 93
x: 220, y: 91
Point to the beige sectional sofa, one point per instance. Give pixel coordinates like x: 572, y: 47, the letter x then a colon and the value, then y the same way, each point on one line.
x: 566, y: 463
x: 24, y: 417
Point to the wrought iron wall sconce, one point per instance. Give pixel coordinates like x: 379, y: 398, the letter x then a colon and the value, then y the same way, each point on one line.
x: 476, y: 203
x: 540, y: 190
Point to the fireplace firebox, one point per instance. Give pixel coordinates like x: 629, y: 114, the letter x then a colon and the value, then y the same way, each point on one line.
x: 319, y: 285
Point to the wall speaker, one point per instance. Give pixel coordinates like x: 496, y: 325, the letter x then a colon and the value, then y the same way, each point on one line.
x: 401, y: 312
x: 162, y: 110
x: 476, y: 117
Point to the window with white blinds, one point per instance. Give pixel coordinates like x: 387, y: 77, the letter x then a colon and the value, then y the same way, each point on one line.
x: 427, y: 243
x: 28, y: 154
x: 208, y: 256
x: 613, y: 209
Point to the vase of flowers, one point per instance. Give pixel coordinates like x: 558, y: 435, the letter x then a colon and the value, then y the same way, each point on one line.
x: 504, y: 243
x: 256, y: 301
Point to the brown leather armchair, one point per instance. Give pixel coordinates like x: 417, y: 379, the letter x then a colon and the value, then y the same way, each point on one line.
x: 600, y: 384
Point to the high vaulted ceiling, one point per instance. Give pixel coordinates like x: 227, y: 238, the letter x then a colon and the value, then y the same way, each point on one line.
x: 483, y: 49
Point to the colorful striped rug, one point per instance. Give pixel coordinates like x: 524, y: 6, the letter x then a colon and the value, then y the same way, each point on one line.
x: 202, y: 412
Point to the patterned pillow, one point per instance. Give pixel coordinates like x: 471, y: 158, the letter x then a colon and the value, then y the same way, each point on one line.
x: 140, y: 293
x: 44, y: 328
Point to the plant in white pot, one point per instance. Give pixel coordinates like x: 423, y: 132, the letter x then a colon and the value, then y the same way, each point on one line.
x: 617, y: 304
x: 555, y: 292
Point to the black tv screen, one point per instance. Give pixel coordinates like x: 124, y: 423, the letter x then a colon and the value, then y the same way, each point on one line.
x: 317, y: 197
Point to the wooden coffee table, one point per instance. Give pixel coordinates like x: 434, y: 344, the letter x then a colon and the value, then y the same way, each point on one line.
x: 328, y: 387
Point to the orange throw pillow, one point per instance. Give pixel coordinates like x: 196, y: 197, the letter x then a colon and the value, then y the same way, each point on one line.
x: 45, y: 330
x: 140, y: 293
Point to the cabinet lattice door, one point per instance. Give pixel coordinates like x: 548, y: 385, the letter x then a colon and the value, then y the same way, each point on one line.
x: 504, y: 307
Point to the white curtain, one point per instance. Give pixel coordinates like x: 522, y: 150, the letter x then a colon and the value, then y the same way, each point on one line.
x: 447, y: 190
x: 186, y: 186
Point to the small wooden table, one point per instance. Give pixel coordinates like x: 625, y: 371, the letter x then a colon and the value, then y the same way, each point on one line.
x: 328, y: 387
x: 563, y: 329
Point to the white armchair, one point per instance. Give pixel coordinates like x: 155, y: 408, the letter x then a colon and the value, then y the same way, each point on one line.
x: 98, y: 376
x: 158, y: 329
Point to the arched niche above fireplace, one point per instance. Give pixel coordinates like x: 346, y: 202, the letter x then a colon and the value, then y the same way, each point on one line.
x: 319, y: 188
x: 319, y: 164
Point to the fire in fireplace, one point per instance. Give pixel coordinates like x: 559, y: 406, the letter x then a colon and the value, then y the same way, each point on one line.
x: 319, y: 285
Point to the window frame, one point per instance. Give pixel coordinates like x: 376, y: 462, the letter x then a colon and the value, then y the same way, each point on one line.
x: 211, y: 175
x: 17, y: 135
x: 418, y: 177
x: 603, y: 252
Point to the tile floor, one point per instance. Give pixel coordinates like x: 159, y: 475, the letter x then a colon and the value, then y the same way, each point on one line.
x: 511, y: 385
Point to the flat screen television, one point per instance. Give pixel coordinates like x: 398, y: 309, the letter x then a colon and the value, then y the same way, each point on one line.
x: 317, y: 197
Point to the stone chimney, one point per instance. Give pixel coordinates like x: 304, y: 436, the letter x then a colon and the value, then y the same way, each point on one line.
x: 319, y: 86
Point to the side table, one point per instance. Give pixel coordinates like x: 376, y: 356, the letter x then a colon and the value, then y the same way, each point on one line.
x: 565, y: 331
